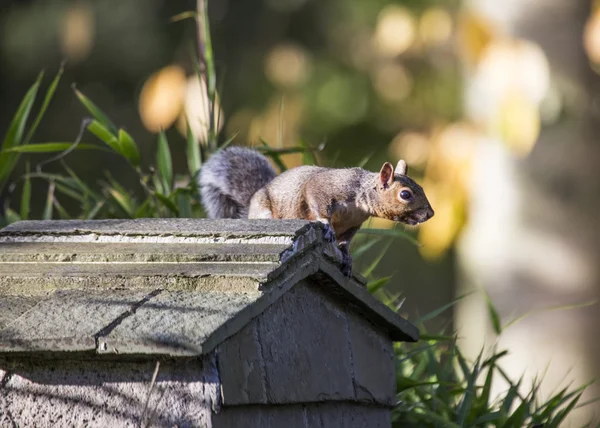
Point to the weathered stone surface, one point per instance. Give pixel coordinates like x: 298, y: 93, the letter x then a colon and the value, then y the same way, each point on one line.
x: 12, y: 307
x: 304, y: 318
x: 107, y: 394
x: 67, y: 321
x: 175, y: 322
x: 242, y: 368
x: 87, y: 252
x: 373, y: 362
x: 311, y: 415
x: 152, y: 226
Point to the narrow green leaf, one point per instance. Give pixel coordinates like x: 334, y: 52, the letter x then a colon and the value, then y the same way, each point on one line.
x: 163, y: 159
x: 47, y: 99
x: 550, y: 309
x: 123, y: 200
x: 363, y: 248
x: 375, y: 262
x: 228, y: 141
x: 68, y: 192
x: 395, y: 233
x: 274, y: 155
x: 94, y: 211
x: 365, y: 160
x: 80, y: 185
x: 11, y: 216
x: 26, y: 195
x: 377, y: 284
x: 95, y: 111
x: 62, y: 213
x: 16, y: 129
x: 14, y: 135
x: 168, y: 203
x: 493, y: 313
x: 47, y: 215
x: 560, y: 417
x: 129, y: 148
x: 50, y: 148
x: 105, y: 135
x: 440, y: 310
x: 184, y: 205
x: 194, y: 160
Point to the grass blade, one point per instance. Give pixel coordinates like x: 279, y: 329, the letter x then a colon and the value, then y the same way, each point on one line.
x: 375, y: 262
x: 95, y: 111
x: 47, y: 99
x: 26, y: 195
x: 128, y: 148
x: 440, y: 310
x: 194, y: 160
x: 395, y: 233
x: 105, y: 135
x: 47, y: 215
x: 373, y: 286
x: 51, y: 148
x: 163, y: 159
x: 14, y: 135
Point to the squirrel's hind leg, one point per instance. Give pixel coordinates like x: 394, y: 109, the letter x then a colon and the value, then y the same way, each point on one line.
x: 260, y: 206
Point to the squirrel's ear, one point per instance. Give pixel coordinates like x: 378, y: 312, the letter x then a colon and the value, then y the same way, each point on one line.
x: 401, y: 168
x: 386, y: 175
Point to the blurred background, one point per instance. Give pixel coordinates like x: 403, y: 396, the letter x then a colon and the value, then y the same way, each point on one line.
x: 494, y: 106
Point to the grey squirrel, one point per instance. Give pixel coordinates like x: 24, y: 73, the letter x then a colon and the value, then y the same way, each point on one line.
x: 239, y: 182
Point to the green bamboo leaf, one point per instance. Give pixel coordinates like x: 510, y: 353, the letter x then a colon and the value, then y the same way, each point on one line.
x: 168, y: 203
x: 105, y: 135
x: 78, y: 184
x: 228, y: 141
x: 26, y: 195
x: 273, y: 155
x: 184, y: 205
x: 62, y: 213
x: 16, y: 129
x: 94, y: 211
x: 375, y: 262
x: 123, y: 201
x: 51, y: 148
x: 194, y: 160
x: 11, y: 216
x: 128, y: 148
x: 47, y: 99
x: 560, y: 417
x: 145, y: 209
x: 493, y: 314
x: 363, y: 248
x: 441, y: 309
x: 95, y: 111
x: 47, y: 215
x: 163, y: 159
x: 14, y: 135
x: 373, y: 286
x: 69, y: 192
x: 395, y: 233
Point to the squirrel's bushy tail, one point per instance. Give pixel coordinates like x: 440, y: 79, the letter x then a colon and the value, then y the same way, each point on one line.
x: 230, y: 178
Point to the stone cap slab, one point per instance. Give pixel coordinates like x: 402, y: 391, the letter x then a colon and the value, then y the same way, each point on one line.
x: 171, y: 287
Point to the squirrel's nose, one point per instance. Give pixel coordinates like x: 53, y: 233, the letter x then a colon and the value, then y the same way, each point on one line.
x: 430, y: 213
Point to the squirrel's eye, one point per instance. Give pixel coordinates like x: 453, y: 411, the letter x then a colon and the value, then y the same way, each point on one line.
x: 406, y: 195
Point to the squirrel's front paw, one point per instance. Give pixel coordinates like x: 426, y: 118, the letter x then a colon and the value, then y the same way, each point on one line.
x: 346, y: 266
x: 328, y: 233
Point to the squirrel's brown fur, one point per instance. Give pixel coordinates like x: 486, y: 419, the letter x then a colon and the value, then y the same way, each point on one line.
x: 341, y: 198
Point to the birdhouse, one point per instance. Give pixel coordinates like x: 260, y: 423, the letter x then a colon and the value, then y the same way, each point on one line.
x: 203, y: 323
